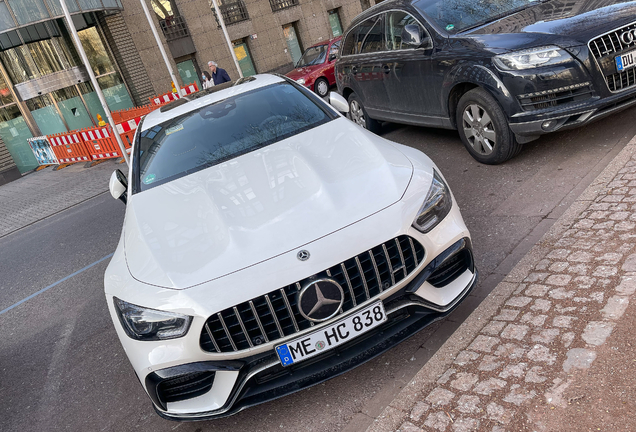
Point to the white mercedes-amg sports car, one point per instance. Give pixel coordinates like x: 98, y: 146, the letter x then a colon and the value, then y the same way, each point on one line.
x: 270, y: 244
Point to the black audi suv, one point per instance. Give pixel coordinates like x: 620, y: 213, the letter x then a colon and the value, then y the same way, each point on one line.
x: 501, y: 72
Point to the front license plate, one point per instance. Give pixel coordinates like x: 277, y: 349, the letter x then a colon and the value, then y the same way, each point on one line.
x: 330, y: 337
x: 626, y: 61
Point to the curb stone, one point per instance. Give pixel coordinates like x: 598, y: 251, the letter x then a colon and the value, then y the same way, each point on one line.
x: 401, y: 414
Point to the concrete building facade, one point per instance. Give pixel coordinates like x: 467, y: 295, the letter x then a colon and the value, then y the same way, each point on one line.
x: 44, y: 87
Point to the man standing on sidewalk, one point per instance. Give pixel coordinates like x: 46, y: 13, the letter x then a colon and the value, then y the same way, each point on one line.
x: 219, y: 75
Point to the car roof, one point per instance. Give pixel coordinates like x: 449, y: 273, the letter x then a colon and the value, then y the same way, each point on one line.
x: 206, y: 97
x: 328, y: 42
x: 379, y: 7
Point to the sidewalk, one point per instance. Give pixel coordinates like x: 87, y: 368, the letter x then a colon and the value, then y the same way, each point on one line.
x: 44, y: 193
x: 552, y: 348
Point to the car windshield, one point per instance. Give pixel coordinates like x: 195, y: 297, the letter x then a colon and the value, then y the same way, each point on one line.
x: 457, y: 15
x: 313, y: 56
x: 223, y: 130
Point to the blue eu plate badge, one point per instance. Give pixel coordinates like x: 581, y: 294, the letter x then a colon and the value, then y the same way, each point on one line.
x: 284, y: 355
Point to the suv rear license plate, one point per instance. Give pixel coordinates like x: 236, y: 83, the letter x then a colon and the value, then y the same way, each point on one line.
x: 330, y: 337
x: 626, y: 61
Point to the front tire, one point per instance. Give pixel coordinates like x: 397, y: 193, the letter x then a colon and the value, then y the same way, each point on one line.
x: 484, y: 129
x: 321, y: 87
x: 358, y: 115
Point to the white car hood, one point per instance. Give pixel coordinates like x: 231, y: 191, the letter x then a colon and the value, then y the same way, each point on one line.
x: 262, y: 204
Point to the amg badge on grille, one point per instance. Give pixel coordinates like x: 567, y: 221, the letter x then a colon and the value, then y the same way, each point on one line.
x: 320, y: 300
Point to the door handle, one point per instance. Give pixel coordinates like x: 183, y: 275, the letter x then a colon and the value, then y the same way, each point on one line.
x: 386, y: 69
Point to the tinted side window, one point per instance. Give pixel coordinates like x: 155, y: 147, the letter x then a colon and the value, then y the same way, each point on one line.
x: 370, y: 37
x: 349, y: 46
x: 395, y: 22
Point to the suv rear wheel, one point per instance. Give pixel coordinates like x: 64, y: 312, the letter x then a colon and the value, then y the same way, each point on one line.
x: 483, y: 128
x: 359, y: 115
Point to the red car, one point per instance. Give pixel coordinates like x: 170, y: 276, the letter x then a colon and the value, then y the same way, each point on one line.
x: 314, y: 70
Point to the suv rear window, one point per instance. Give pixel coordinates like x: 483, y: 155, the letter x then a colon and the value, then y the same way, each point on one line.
x: 221, y: 131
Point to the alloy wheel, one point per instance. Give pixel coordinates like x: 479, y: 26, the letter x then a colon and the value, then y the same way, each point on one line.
x: 479, y: 129
x: 357, y: 115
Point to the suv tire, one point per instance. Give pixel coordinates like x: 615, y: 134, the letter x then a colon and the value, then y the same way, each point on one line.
x: 358, y: 115
x: 484, y: 129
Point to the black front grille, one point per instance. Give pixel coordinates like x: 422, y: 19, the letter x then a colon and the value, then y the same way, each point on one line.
x: 610, y: 45
x: 555, y: 97
x: 275, y: 315
x: 451, y: 269
x: 185, y: 386
x: 621, y: 80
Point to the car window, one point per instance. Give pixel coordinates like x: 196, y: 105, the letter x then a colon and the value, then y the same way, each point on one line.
x: 223, y: 130
x: 313, y: 56
x: 459, y: 15
x: 370, y: 36
x: 333, y: 51
x: 349, y: 45
x: 335, y: 47
x: 395, y: 22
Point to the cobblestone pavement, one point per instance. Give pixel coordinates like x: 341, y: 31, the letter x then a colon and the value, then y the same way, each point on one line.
x: 549, y: 319
x: 43, y: 193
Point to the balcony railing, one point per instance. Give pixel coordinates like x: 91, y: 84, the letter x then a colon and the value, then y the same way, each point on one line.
x: 282, y: 4
x: 174, y: 27
x: 233, y: 11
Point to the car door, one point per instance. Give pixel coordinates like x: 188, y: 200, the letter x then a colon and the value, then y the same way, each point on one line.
x: 408, y: 69
x: 366, y: 69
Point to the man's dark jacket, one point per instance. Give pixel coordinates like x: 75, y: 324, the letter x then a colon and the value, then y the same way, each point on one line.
x: 220, y: 76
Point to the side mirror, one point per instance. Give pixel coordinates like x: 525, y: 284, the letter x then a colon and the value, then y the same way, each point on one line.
x: 427, y: 43
x: 411, y: 35
x: 118, y: 186
x: 338, y: 102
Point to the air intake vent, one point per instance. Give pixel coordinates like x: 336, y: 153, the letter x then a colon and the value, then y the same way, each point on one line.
x: 185, y: 386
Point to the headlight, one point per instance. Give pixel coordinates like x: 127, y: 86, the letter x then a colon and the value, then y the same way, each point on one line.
x: 301, y: 81
x: 532, y: 58
x: 436, y: 206
x: 148, y: 324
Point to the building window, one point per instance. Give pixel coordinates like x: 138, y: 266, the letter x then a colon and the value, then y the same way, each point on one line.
x: 172, y: 24
x: 233, y: 11
x: 27, y: 11
x: 5, y: 92
x: 282, y: 4
x: 174, y: 27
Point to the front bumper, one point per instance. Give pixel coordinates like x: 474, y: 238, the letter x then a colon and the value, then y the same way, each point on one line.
x: 572, y: 115
x: 261, y: 378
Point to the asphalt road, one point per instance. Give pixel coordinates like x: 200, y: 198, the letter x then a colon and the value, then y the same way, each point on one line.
x: 62, y: 367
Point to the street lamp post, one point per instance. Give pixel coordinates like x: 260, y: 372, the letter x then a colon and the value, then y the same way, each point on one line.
x: 160, y: 45
x: 227, y: 37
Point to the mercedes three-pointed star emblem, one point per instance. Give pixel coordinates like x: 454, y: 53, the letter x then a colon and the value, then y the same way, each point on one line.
x: 320, y: 300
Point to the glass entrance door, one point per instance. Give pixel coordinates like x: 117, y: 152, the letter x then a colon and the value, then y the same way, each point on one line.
x: 244, y: 59
x: 15, y: 132
x: 45, y: 115
x: 72, y: 108
x: 188, y: 73
x: 293, y: 44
